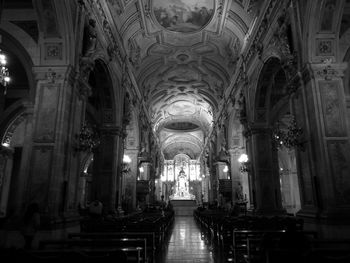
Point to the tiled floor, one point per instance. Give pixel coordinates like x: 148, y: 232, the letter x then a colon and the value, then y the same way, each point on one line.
x: 186, y: 244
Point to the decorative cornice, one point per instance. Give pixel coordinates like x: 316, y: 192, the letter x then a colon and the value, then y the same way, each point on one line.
x: 328, y: 70
x: 112, y: 131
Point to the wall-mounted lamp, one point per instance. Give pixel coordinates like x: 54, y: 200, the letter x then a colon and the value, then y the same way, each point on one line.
x: 225, y: 170
x: 244, y: 161
x: 4, y: 72
x: 126, y: 161
x: 141, y: 169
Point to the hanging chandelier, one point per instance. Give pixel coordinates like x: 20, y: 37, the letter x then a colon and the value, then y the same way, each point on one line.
x: 290, y: 137
x: 4, y: 72
x: 87, y: 139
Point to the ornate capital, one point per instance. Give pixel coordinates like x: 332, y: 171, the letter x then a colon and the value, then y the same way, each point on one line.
x: 328, y: 70
x: 251, y: 130
x: 53, y: 75
x: 112, y: 131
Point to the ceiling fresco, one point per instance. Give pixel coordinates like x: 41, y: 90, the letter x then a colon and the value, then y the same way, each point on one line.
x: 183, y: 53
x: 183, y: 16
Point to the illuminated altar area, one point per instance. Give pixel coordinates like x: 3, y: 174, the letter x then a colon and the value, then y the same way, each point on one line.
x: 182, y: 173
x: 182, y: 188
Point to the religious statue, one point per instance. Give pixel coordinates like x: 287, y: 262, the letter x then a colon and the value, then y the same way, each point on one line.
x: 90, y: 38
x: 182, y: 187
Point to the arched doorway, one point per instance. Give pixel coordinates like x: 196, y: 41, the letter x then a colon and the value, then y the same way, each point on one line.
x: 276, y: 180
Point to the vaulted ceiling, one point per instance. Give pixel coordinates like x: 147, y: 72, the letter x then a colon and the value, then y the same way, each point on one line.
x: 183, y: 53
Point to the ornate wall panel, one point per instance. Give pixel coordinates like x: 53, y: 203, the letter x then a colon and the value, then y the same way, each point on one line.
x: 47, y: 112
x: 331, y: 106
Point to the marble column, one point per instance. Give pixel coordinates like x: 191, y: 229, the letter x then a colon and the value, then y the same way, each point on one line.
x: 107, y: 181
x: 51, y: 145
x: 325, y: 191
x: 17, y: 200
x: 6, y: 155
x: 264, y: 165
x: 131, y: 177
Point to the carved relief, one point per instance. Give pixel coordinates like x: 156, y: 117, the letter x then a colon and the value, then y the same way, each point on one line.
x: 47, y: 112
x: 324, y: 47
x: 53, y: 51
x: 332, y: 115
x: 90, y: 38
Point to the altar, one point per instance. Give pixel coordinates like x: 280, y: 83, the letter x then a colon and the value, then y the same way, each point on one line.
x: 182, y: 191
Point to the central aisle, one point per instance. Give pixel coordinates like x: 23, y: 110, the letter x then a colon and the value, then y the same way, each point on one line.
x: 185, y: 243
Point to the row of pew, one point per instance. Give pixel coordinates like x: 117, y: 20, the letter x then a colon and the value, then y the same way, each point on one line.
x: 136, y: 239
x: 250, y: 239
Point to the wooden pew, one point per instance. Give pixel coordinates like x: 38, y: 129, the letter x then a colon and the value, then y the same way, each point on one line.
x: 65, y: 255
x: 135, y: 249
x: 149, y: 236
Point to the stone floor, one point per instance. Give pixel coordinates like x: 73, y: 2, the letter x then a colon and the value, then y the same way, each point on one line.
x: 186, y: 244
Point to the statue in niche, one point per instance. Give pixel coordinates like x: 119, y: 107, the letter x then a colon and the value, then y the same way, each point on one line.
x: 143, y: 152
x: 242, y: 107
x: 182, y: 184
x: 90, y: 38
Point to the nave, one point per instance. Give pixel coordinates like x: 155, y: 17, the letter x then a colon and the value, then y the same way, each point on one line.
x: 187, y: 244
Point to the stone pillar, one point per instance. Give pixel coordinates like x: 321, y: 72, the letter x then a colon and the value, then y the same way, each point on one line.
x: 264, y: 161
x: 17, y: 199
x: 6, y: 155
x: 131, y: 177
x: 51, y: 146
x: 325, y: 186
x: 107, y: 181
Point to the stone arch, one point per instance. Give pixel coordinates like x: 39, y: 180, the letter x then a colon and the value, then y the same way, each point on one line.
x: 22, y: 63
x: 262, y: 99
x: 14, y: 133
x: 272, y: 104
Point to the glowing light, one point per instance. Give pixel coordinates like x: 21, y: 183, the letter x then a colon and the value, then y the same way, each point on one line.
x: 141, y: 169
x: 225, y: 170
x: 243, y: 158
x: 6, y: 144
x: 126, y: 159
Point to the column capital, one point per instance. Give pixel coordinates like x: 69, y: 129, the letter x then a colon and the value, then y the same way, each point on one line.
x: 54, y: 74
x: 327, y: 70
x: 253, y: 129
x: 112, y: 131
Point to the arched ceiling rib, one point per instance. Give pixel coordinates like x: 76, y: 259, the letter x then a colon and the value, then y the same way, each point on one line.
x: 183, y: 55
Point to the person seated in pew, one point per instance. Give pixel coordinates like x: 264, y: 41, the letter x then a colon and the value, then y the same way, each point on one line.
x: 95, y: 209
x: 235, y: 210
x: 169, y: 206
x: 163, y: 204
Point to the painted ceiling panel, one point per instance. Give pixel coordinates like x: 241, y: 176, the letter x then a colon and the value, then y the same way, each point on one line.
x: 183, y: 53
